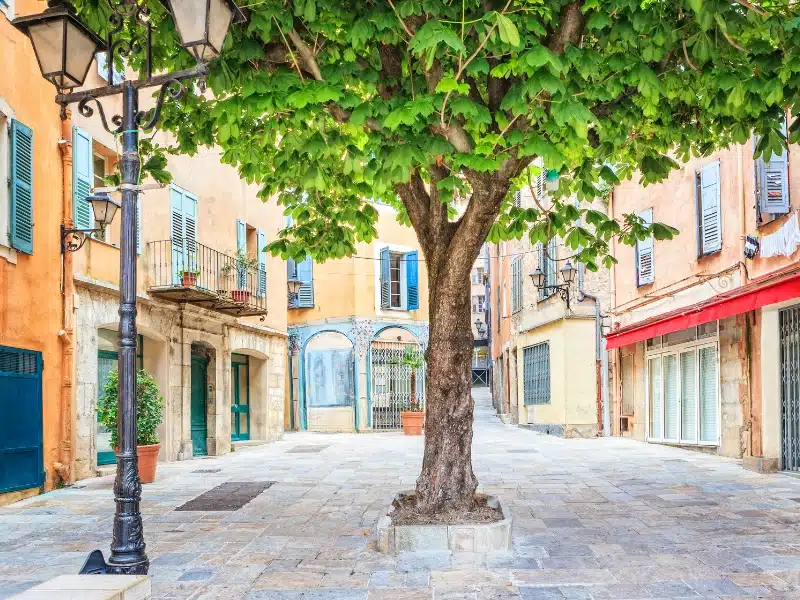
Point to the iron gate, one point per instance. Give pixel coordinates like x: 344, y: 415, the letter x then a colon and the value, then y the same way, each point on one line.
x: 790, y: 388
x: 391, y: 383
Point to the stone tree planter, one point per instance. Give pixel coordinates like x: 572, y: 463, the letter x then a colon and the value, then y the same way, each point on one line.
x: 474, y: 537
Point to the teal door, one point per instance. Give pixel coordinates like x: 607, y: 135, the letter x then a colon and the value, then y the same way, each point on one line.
x: 240, y: 405
x: 106, y: 363
x: 198, y: 418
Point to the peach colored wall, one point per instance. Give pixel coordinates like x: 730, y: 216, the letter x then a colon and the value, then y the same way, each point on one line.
x: 31, y: 305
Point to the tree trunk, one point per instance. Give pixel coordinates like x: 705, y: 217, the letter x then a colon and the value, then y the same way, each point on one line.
x: 447, y: 481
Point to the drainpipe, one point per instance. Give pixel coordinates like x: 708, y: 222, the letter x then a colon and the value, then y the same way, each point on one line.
x: 601, y: 357
x: 742, y: 212
x: 64, y: 465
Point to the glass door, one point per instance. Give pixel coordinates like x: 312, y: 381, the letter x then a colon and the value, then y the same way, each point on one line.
x: 655, y: 385
x: 689, y: 396
x: 671, y: 398
x: 106, y: 363
x: 240, y: 405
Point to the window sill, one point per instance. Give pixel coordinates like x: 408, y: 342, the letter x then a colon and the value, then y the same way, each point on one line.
x: 713, y: 254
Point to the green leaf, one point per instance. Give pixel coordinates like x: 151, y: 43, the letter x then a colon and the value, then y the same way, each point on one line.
x: 508, y: 31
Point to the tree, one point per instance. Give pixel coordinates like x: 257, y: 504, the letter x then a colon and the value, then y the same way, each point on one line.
x: 330, y: 104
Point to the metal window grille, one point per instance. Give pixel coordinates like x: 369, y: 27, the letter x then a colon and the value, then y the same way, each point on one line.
x: 391, y: 383
x: 18, y: 362
x: 536, y: 374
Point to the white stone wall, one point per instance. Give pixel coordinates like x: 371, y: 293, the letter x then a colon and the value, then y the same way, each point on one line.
x: 169, y: 331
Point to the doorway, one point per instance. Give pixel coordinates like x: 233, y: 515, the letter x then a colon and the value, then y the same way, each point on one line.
x: 199, y: 396
x: 240, y: 404
x: 790, y: 393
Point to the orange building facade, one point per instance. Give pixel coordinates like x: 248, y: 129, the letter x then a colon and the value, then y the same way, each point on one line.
x: 705, y: 325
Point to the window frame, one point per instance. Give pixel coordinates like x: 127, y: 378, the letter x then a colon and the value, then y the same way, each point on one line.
x: 399, y: 257
x: 478, y: 304
x: 659, y: 353
x: 549, y: 402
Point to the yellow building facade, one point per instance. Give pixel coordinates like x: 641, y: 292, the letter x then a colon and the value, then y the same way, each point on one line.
x: 350, y: 326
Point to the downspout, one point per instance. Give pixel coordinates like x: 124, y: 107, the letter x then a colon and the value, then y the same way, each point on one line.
x: 742, y: 212
x: 64, y: 465
x: 601, y: 357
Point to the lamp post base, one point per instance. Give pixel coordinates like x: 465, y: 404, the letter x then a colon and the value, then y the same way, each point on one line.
x: 97, y: 565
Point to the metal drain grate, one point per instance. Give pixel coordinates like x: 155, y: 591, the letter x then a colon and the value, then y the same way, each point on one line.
x: 229, y: 496
x: 306, y: 449
x: 207, y: 471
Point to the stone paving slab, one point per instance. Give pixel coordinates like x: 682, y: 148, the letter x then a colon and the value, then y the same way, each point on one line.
x: 595, y: 519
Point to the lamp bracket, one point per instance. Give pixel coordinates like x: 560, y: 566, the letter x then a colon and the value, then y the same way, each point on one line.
x: 73, y: 240
x: 128, y: 187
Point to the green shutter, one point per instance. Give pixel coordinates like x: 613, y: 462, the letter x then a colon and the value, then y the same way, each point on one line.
x: 21, y: 183
x: 82, y: 178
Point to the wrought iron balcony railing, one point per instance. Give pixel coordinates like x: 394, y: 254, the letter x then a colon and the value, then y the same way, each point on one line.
x: 186, y: 271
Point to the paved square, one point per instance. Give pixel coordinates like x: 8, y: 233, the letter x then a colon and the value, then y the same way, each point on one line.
x: 593, y: 519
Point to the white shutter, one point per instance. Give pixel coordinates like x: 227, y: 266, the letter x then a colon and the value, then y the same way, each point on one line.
x: 709, y: 209
x: 656, y: 397
x: 645, y: 271
x: 671, y: 397
x: 689, y: 396
x: 708, y: 394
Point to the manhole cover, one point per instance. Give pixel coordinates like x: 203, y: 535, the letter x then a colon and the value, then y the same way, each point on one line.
x: 306, y: 449
x: 229, y: 496
x: 207, y: 471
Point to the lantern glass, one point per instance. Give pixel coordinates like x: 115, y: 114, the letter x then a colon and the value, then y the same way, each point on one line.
x: 568, y: 273
x: 104, y: 208
x: 202, y: 25
x: 538, y: 278
x: 294, y: 284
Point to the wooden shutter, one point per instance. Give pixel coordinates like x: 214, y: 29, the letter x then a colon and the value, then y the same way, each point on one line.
x: 21, y: 187
x: 516, y: 285
x: 305, y: 273
x: 262, y: 263
x: 190, y: 227
x: 177, y: 231
x: 412, y: 280
x: 773, y: 183
x: 645, y: 273
x: 82, y: 178
x: 386, y: 277
x: 709, y: 212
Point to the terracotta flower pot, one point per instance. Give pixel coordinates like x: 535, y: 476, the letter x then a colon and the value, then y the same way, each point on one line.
x: 148, y: 460
x: 412, y: 422
x: 189, y: 279
x: 241, y: 296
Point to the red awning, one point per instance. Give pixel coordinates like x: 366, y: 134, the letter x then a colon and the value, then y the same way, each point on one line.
x: 763, y: 292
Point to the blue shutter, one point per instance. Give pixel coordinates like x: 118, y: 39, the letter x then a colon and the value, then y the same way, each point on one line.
x: 241, y: 247
x: 262, y: 263
x: 773, y: 182
x: 21, y: 182
x: 82, y: 178
x: 177, y: 232
x: 305, y: 273
x: 386, y: 276
x: 709, y: 209
x: 412, y: 280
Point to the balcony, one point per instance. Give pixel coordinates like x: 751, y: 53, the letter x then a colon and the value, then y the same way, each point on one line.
x: 188, y: 272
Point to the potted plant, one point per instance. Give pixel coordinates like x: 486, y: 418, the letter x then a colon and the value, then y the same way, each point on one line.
x: 189, y: 277
x: 240, y: 267
x: 413, y: 413
x: 149, y: 411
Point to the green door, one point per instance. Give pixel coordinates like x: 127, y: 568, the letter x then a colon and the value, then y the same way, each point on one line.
x: 199, y: 423
x: 240, y: 406
x: 106, y: 363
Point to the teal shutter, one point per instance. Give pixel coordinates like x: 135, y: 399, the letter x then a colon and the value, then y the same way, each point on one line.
x: 412, y: 280
x: 177, y: 232
x: 305, y: 273
x: 82, y: 178
x: 262, y: 263
x: 139, y: 224
x: 21, y: 184
x: 386, y: 277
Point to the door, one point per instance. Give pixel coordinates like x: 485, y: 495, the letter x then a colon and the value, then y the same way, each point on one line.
x: 391, y: 383
x: 199, y: 396
x: 240, y: 404
x: 106, y: 363
x: 790, y: 389
x: 21, y: 448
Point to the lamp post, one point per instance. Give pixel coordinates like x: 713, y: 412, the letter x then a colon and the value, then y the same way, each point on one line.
x: 480, y: 327
x: 104, y: 208
x: 567, y: 274
x: 65, y: 48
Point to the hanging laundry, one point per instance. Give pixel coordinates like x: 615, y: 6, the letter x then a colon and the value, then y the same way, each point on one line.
x: 783, y: 242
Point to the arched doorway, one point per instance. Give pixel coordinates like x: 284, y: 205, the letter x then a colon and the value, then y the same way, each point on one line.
x: 391, y: 376
x: 330, y: 393
x: 202, y: 364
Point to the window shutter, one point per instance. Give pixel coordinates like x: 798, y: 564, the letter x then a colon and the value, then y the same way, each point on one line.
x: 517, y: 199
x: 386, y: 276
x: 82, y: 178
x: 139, y: 246
x: 241, y: 247
x: 552, y: 265
x: 305, y: 273
x: 773, y: 183
x: 516, y: 285
x: 177, y: 231
x: 190, y: 227
x: 412, y: 280
x: 644, y: 254
x: 262, y: 263
x: 291, y: 271
x: 21, y: 187
x: 709, y: 209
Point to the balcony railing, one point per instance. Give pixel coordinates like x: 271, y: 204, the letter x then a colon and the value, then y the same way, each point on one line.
x: 186, y: 271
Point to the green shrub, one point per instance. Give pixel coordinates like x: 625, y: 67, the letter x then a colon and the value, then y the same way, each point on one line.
x: 149, y: 407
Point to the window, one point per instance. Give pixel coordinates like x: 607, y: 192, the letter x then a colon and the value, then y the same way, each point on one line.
x: 20, y: 182
x: 399, y: 279
x: 517, y: 199
x: 536, y: 374
x: 709, y: 218
x: 549, y: 266
x: 478, y: 303
x: 480, y: 358
x: 772, y: 183
x: 645, y: 274
x: 516, y: 285
x: 183, y: 231
x: 682, y: 381
x: 498, y: 313
x: 628, y: 376
x: 477, y: 275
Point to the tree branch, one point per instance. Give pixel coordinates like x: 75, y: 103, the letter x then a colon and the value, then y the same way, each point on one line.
x: 455, y: 134
x: 309, y: 60
x: 570, y: 27
x: 751, y: 6
x: 689, y: 60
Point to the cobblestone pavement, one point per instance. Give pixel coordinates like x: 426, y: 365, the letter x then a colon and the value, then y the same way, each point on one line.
x: 593, y: 519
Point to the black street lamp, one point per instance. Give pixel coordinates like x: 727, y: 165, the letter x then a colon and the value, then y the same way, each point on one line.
x: 567, y: 274
x: 104, y: 208
x: 65, y: 48
x: 480, y: 327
